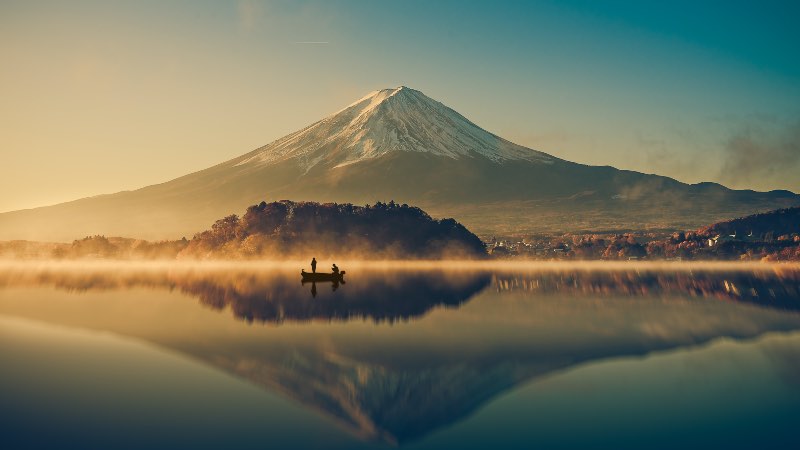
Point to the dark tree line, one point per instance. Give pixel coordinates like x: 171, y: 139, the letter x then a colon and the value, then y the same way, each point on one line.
x: 771, y: 236
x: 382, y: 230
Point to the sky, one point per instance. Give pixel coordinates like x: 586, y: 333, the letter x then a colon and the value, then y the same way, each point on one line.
x: 104, y: 96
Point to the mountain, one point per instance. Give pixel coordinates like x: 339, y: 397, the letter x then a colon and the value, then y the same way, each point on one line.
x: 400, y: 144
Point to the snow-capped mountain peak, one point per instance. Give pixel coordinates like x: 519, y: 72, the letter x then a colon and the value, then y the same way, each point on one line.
x: 389, y: 120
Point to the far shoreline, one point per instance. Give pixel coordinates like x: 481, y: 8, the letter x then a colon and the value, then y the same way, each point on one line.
x: 102, y: 265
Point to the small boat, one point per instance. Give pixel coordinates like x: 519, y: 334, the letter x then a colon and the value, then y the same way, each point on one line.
x: 321, y: 276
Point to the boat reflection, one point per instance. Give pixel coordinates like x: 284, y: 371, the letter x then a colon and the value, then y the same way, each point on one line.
x: 334, y: 285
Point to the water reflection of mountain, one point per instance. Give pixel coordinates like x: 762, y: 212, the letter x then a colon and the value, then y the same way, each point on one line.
x: 389, y: 403
x: 770, y: 289
x: 372, y: 295
x: 402, y: 387
x: 401, y: 383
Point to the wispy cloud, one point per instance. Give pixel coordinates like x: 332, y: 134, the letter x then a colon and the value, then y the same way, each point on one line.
x: 757, y: 154
x: 661, y: 157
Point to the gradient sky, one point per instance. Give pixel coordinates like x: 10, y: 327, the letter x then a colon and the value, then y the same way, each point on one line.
x: 103, y: 96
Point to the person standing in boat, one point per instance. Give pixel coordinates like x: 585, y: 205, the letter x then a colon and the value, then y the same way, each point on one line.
x: 314, y: 265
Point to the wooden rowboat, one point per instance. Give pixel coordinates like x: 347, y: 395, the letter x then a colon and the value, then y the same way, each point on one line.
x: 322, y: 276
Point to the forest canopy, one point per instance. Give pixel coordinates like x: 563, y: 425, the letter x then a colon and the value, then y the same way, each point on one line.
x: 342, y: 230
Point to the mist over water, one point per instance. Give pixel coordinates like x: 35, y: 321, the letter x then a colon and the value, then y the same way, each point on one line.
x: 419, y: 353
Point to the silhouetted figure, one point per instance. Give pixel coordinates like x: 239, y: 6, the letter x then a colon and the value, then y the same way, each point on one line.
x: 314, y: 290
x: 313, y: 265
x: 335, y: 269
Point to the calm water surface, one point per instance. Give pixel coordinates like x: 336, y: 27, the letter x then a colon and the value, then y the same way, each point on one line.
x: 514, y: 357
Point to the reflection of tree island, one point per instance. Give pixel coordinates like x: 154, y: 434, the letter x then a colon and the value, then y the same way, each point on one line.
x: 274, y: 297
x: 376, y: 296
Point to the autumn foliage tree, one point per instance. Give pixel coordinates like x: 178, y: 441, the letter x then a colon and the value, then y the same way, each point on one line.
x: 382, y: 230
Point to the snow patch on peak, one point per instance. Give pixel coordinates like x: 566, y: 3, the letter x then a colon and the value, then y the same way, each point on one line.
x: 388, y: 120
x: 372, y: 99
x: 369, y: 101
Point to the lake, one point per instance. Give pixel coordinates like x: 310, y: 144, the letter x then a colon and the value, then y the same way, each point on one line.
x: 164, y: 355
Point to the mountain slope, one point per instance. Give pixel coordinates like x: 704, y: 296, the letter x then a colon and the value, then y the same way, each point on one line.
x: 400, y: 144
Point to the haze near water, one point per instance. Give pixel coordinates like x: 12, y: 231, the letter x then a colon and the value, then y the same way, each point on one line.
x: 211, y: 355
